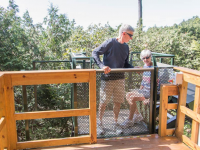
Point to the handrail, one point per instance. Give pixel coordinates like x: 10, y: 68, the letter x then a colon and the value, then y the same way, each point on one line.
x: 154, y: 56
x: 162, y: 55
x: 125, y: 70
x: 189, y: 76
x: 11, y: 79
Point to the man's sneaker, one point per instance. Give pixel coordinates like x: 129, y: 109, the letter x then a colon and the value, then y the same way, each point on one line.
x: 118, y: 129
x: 100, y: 129
x: 137, y: 118
x: 127, y: 123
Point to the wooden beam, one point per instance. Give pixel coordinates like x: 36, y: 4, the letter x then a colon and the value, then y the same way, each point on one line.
x: 190, y: 143
x: 3, y: 138
x: 52, y: 114
x: 10, y: 111
x: 186, y: 70
x: 192, y: 78
x: 53, y: 142
x: 92, y: 106
x: 172, y: 106
x: 181, y: 116
x: 163, y: 111
x: 170, y: 131
x: 49, y: 78
x: 190, y: 113
x: 2, y: 101
x: 3, y: 129
x: 196, y: 109
x: 2, y: 123
x: 172, y: 90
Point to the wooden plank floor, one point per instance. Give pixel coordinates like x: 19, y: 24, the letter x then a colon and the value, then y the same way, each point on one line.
x: 143, y: 142
x: 108, y: 123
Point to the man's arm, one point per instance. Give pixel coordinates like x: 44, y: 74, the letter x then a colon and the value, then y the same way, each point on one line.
x: 103, y: 48
x: 95, y: 54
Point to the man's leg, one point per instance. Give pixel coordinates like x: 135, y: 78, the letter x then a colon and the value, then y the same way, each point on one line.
x: 118, y: 96
x: 102, y: 107
x: 100, y: 128
x: 105, y: 95
x: 132, y: 108
x: 116, y: 109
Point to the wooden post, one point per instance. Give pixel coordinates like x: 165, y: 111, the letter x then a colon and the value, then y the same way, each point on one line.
x: 26, y: 110
x: 3, y: 133
x: 180, y: 119
x: 166, y: 90
x: 92, y: 106
x: 163, y: 111
x: 195, y: 124
x: 10, y: 111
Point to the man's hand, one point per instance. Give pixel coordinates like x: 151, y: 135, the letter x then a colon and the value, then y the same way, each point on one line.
x: 106, y: 69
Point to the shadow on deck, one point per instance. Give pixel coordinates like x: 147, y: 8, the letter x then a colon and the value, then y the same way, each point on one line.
x: 143, y: 142
x: 108, y: 122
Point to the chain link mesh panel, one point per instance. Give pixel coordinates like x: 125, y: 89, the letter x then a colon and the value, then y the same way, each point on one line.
x: 77, y: 96
x: 164, y: 74
x: 44, y: 129
x: 131, y: 83
x: 42, y: 98
x: 49, y: 97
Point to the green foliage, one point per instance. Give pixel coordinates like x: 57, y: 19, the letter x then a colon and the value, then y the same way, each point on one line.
x: 180, y: 40
x: 22, y: 41
x: 86, y: 40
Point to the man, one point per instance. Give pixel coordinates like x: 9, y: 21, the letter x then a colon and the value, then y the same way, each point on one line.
x: 115, y: 53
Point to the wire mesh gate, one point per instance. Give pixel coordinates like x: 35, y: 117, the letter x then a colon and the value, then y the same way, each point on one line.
x: 76, y: 96
x: 132, y: 80
x: 58, y: 97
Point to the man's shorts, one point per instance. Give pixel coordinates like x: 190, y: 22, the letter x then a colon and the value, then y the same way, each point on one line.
x: 114, y: 89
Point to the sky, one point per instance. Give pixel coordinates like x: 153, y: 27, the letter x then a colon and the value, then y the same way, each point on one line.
x: 115, y: 12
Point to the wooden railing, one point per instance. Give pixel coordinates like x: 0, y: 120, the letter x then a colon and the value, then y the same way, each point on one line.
x: 189, y: 76
x: 8, y: 117
x: 3, y: 129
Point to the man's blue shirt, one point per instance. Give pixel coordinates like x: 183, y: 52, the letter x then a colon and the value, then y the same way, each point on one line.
x: 115, y: 55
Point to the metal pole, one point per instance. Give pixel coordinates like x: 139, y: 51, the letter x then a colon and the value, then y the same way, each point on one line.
x: 140, y: 12
x: 151, y: 120
x: 172, y: 61
x: 154, y: 98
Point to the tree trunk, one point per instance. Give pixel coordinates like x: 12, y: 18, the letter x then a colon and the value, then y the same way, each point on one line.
x: 140, y: 12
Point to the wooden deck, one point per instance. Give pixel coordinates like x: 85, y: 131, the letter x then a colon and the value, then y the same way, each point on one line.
x: 108, y: 123
x: 143, y: 142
